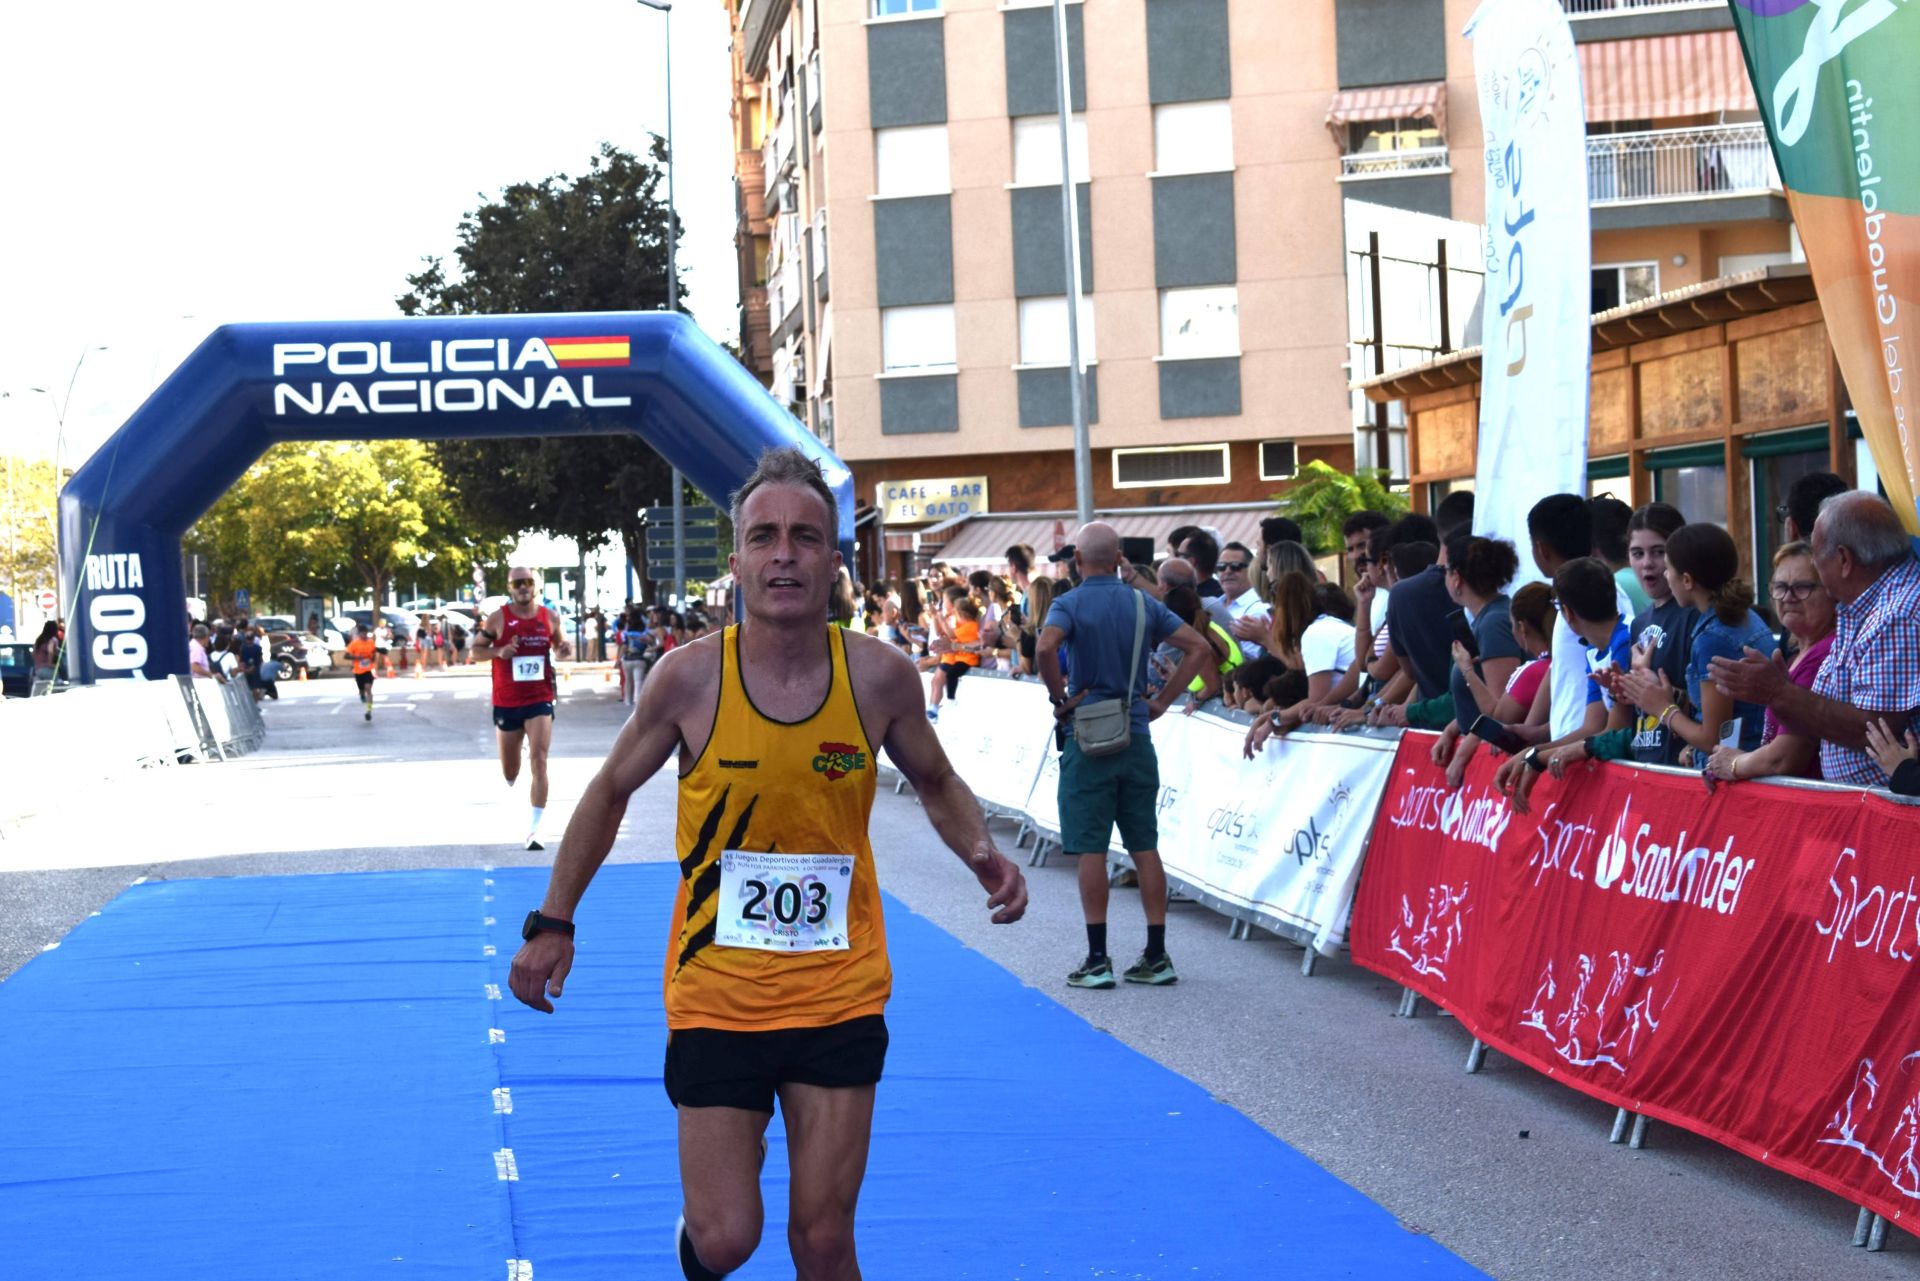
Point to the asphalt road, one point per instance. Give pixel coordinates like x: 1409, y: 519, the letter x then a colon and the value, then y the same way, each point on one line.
x: 1506, y: 1168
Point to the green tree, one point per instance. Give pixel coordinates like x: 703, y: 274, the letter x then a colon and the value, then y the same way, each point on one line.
x: 1322, y: 496
x: 342, y: 517
x: 597, y: 242
x: 29, y: 504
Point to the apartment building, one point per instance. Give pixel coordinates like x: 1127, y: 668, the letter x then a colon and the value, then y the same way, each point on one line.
x: 1714, y: 385
x: 900, y: 174
x: 902, y: 258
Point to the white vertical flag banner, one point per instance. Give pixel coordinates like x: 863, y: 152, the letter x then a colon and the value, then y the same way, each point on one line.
x: 1538, y: 344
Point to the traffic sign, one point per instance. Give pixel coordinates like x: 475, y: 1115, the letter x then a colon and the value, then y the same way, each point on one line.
x: 703, y: 552
x: 690, y: 515
x: 695, y: 573
x: 46, y: 600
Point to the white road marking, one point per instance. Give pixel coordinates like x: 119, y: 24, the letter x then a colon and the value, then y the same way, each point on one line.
x: 487, y: 950
x: 49, y: 947
x: 488, y: 921
x: 519, y: 1270
x: 502, y: 1101
x: 418, y: 698
x: 493, y: 991
x: 495, y: 1036
x: 503, y: 1165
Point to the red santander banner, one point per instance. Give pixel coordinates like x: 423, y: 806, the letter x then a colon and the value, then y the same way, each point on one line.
x: 1740, y: 963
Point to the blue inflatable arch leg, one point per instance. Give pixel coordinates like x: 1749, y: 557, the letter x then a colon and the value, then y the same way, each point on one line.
x: 247, y: 387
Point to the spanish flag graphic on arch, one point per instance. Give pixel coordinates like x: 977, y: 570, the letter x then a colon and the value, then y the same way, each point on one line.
x: 592, y: 352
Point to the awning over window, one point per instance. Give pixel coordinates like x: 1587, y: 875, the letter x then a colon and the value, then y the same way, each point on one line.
x: 981, y: 542
x: 1659, y: 77
x: 1387, y: 102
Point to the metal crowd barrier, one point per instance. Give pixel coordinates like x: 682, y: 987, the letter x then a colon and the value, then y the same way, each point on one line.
x: 93, y: 734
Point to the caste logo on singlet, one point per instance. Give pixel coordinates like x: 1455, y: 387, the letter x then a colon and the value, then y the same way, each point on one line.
x: 837, y: 760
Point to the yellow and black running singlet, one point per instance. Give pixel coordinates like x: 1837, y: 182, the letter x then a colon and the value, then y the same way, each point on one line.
x: 772, y: 787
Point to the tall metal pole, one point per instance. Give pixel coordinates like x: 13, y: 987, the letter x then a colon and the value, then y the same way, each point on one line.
x: 1070, y: 220
x: 673, y: 304
x: 1382, y: 447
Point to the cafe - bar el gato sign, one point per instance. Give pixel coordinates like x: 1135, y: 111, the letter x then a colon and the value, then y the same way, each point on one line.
x: 914, y: 502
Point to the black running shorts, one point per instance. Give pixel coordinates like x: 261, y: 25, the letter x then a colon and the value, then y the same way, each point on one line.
x: 364, y: 680
x: 511, y: 720
x: 709, y: 1068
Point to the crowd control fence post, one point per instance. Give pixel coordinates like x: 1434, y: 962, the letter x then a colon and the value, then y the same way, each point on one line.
x: 1308, y: 960
x: 1862, y: 1224
x: 1476, y: 1056
x: 1877, y: 1235
x: 1620, y: 1120
x: 1638, y: 1139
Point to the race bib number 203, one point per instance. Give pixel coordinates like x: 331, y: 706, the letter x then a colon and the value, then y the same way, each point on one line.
x: 784, y: 902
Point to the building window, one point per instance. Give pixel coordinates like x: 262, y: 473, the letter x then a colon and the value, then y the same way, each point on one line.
x: 1198, y: 323
x: 1777, y: 460
x: 911, y: 161
x: 1036, y: 150
x: 1406, y: 145
x: 1620, y: 283
x: 1692, y: 479
x: 1172, y: 465
x: 1043, y: 330
x: 1407, y: 134
x: 918, y: 339
x: 1193, y: 137
x: 1279, y: 460
x: 894, y: 8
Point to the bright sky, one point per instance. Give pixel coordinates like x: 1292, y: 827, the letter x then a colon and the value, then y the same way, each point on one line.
x: 172, y: 167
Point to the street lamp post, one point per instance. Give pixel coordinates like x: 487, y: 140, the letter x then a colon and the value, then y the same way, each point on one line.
x: 673, y: 304
x: 60, y: 408
x: 1070, y: 224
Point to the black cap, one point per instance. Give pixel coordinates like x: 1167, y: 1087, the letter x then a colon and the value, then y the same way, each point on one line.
x: 1062, y: 556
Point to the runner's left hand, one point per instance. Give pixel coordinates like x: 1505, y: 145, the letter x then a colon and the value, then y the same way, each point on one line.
x: 1000, y: 877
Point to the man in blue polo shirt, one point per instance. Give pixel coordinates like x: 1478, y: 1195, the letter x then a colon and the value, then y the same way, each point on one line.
x: 1096, y: 622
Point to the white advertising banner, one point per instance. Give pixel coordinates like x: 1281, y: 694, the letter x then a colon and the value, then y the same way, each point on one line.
x: 995, y: 731
x: 1537, y: 336
x: 1278, y: 839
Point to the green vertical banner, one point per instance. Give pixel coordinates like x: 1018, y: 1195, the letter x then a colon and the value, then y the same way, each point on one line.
x: 1839, y: 88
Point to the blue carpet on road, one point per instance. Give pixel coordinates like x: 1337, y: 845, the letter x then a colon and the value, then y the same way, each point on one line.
x: 296, y: 1077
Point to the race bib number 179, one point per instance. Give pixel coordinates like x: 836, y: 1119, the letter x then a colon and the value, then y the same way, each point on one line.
x: 529, y: 667
x: 784, y: 902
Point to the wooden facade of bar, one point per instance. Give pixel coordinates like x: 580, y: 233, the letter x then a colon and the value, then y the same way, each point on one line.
x: 1731, y: 359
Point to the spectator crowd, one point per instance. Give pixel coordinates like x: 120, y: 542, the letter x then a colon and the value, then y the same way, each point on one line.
x: 1644, y: 642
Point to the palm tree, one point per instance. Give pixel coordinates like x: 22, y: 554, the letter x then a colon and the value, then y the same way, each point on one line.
x: 1321, y: 498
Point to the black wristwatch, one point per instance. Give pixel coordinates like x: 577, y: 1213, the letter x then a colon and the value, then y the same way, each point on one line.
x: 535, y: 923
x: 1533, y: 761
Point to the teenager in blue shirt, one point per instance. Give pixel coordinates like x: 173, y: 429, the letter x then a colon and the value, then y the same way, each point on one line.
x: 1589, y: 602
x: 1703, y: 567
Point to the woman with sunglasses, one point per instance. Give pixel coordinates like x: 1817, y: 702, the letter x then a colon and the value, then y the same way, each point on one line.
x: 1807, y: 613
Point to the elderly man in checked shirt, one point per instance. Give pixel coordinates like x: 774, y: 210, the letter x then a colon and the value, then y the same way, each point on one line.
x: 1867, y: 562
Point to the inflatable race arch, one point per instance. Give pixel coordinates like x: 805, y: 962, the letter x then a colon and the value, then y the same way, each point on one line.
x: 246, y: 387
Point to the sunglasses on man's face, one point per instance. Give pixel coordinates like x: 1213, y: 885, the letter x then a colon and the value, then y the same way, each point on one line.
x: 519, y: 582
x: 1232, y: 566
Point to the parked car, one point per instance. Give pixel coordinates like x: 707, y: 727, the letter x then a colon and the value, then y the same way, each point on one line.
x: 404, y: 622
x: 16, y: 669
x: 297, y: 649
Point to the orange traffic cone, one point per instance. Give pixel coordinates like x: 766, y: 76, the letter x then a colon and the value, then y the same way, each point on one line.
x: 303, y: 671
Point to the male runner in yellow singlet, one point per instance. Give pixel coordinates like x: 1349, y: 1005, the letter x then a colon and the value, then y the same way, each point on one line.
x: 776, y: 966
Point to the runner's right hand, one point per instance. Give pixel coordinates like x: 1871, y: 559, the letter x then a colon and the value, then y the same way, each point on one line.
x: 540, y: 969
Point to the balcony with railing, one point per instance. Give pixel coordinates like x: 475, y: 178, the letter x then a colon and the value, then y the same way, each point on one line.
x: 1613, y: 8
x: 750, y: 173
x: 1391, y: 164
x: 1680, y: 164
x: 783, y: 291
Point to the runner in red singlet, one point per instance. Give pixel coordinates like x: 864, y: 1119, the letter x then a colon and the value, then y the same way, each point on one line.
x: 522, y: 640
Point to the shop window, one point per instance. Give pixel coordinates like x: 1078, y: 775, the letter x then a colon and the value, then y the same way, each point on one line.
x: 1777, y: 460
x: 1693, y: 480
